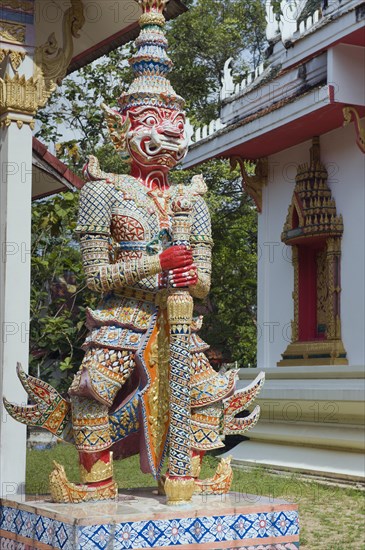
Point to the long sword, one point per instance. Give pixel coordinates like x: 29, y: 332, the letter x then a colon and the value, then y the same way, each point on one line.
x: 179, y: 484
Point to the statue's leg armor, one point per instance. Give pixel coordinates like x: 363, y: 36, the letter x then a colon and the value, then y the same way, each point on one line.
x: 208, y: 389
x: 102, y: 374
x: 215, y: 403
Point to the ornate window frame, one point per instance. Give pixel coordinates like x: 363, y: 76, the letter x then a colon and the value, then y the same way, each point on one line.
x: 314, y: 231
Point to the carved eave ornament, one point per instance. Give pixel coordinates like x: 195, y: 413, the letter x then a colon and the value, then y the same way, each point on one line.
x: 252, y: 183
x: 360, y: 131
x: 21, y: 97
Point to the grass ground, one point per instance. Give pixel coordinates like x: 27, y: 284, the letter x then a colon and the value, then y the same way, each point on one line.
x: 331, y: 518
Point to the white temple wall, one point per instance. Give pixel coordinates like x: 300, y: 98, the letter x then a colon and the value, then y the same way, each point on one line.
x: 348, y: 187
x: 345, y: 164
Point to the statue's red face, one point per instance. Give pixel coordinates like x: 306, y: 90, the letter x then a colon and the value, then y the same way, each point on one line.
x: 156, y: 136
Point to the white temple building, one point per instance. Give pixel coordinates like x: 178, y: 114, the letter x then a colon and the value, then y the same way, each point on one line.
x: 300, y: 117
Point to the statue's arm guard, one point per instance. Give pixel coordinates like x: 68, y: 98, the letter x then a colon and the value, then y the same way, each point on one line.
x: 96, y: 201
x: 201, y: 243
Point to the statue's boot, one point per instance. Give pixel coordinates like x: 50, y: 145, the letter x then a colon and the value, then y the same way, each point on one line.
x: 96, y: 471
x: 209, y: 422
x: 219, y: 483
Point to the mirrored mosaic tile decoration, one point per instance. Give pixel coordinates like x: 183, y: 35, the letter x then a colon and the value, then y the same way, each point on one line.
x: 271, y: 527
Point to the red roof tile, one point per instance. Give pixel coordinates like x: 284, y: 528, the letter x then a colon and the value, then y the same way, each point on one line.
x: 41, y: 151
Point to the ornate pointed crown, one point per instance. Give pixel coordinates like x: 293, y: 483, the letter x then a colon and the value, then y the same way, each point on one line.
x: 151, y: 63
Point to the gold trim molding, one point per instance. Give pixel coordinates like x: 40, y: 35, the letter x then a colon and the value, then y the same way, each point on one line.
x: 252, y: 183
x: 9, y: 119
x: 12, y: 32
x: 220, y: 483
x: 99, y: 471
x: 21, y: 95
x: 63, y: 491
x: 179, y: 490
x: 26, y: 96
x: 360, y: 131
x: 15, y: 58
x: 314, y: 353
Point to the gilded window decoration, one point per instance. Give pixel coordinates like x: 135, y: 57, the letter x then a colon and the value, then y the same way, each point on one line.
x: 314, y: 230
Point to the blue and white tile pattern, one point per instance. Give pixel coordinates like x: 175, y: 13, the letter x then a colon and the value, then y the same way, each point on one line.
x: 150, y: 533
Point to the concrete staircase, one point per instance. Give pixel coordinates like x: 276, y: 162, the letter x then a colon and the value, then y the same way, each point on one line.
x: 312, y: 421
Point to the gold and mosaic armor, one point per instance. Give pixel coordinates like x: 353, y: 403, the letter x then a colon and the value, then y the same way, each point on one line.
x: 145, y: 383
x: 123, y: 226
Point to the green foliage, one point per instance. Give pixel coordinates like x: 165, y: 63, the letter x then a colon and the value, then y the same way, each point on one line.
x: 230, y: 309
x: 200, y: 42
x: 77, y: 102
x: 57, y: 292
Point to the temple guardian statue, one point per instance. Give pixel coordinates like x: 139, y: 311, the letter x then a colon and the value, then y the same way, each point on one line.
x: 145, y: 384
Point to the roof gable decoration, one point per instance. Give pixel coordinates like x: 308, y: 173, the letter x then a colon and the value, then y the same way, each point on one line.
x: 52, y: 61
x: 348, y: 111
x: 253, y: 181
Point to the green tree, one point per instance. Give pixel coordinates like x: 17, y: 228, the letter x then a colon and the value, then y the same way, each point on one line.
x: 201, y: 41
x: 57, y: 293
x: 230, y: 309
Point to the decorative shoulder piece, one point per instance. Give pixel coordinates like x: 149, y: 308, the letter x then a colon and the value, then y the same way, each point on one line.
x: 198, y: 185
x: 118, y: 127
x: 93, y: 172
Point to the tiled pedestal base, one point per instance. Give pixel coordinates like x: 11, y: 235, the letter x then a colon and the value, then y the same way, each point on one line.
x: 141, y: 519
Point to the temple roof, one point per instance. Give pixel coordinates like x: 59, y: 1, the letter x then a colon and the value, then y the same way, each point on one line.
x: 50, y: 175
x: 314, y: 68
x: 93, y: 30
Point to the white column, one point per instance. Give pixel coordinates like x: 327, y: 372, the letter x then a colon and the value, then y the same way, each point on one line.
x: 15, y: 233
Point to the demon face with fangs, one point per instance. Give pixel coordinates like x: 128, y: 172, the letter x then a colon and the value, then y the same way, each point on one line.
x: 156, y: 136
